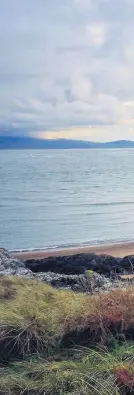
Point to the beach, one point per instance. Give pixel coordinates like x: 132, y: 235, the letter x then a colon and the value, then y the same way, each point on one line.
x: 116, y: 250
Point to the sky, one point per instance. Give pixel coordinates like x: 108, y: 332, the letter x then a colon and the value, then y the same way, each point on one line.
x: 67, y: 68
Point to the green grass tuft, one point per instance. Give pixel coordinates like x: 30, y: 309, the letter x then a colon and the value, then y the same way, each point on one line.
x: 89, y: 273
x: 64, y: 377
x: 39, y: 323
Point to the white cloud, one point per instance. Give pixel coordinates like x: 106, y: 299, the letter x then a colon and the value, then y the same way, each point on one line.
x: 97, y: 33
x: 94, y: 133
x: 81, y: 87
x: 83, y: 3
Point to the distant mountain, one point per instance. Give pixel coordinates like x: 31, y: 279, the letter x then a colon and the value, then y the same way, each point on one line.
x: 119, y: 144
x: 13, y: 142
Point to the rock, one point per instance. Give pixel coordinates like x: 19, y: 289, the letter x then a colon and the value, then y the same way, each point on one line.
x: 80, y: 283
x: 23, y: 272
x: 127, y: 277
x: 7, y: 262
x: 12, y: 266
x: 127, y: 263
x: 4, y: 252
x: 81, y: 272
x: 7, y: 272
x: 107, y: 263
x: 75, y: 264
x: 60, y: 280
x: 93, y: 265
x: 95, y: 280
x: 68, y: 281
x: 47, y: 277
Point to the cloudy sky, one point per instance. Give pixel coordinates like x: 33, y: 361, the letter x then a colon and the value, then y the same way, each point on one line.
x: 67, y: 68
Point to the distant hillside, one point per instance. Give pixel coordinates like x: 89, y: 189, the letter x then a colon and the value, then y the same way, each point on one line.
x: 119, y: 144
x: 10, y: 142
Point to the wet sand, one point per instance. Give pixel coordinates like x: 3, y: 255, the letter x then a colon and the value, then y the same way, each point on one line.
x: 117, y: 250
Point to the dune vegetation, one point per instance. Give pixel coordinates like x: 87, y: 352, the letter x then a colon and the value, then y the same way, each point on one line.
x: 59, y: 342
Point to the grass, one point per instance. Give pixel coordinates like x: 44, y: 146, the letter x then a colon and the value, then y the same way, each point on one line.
x: 93, y: 373
x: 7, y: 288
x: 60, y: 342
x: 89, y: 273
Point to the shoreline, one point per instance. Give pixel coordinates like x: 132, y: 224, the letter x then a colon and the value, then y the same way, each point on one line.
x: 117, y: 250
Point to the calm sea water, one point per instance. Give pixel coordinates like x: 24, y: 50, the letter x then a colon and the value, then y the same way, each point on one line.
x: 66, y: 198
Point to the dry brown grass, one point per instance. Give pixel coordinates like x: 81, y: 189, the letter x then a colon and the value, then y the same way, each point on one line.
x: 39, y: 321
x: 39, y: 318
x: 7, y: 288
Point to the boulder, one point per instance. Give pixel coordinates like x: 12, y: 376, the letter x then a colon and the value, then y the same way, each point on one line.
x: 12, y: 266
x: 95, y: 281
x: 75, y: 264
x: 79, y: 283
x: 73, y: 282
x: 24, y: 272
x: 127, y: 263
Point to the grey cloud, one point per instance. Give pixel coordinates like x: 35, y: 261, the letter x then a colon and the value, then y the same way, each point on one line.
x: 65, y: 63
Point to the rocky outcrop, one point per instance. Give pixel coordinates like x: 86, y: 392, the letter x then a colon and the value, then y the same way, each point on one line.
x: 81, y: 273
x: 77, y: 264
x: 81, y: 283
x: 12, y: 266
x: 127, y: 263
x: 8, y: 264
x: 76, y: 282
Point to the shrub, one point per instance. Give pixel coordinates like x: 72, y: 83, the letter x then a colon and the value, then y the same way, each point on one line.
x: 89, y: 273
x: 125, y: 378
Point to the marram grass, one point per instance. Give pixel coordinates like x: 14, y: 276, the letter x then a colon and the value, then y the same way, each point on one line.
x: 35, y: 319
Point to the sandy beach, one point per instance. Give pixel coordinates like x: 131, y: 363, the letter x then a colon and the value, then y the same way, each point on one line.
x: 117, y: 250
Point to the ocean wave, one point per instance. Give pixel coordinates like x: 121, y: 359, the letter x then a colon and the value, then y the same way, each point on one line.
x: 118, y: 203
x: 93, y: 242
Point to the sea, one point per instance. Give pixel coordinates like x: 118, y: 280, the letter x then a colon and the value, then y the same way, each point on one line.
x: 66, y: 198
